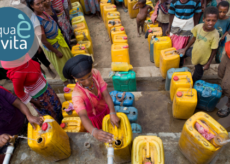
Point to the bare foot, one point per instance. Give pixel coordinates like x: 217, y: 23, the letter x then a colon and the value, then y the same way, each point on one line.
x: 53, y: 75
x: 139, y: 34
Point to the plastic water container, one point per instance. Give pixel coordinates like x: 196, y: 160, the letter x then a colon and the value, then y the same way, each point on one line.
x: 156, y: 45
x: 75, y: 10
x: 68, y: 96
x: 108, y: 8
x: 125, y: 81
x: 123, y: 135
x: 120, y: 52
x: 72, y: 125
x: 65, y: 105
x: 208, y: 95
x: 120, y: 38
x: 75, y: 15
x: 116, y: 31
x: 112, y: 15
x: 79, y: 49
x: 193, y: 145
x: 170, y: 73
x: 136, y: 128
x: 111, y: 24
x: 79, y: 19
x: 147, y: 150
x: 80, y: 26
x: 132, y: 13
x: 121, y: 66
x: 184, y: 103
x: 126, y: 3
x: 88, y: 46
x: 169, y: 58
x: 76, y: 5
x: 102, y: 4
x: 127, y: 101
x: 48, y: 139
x: 180, y: 80
x: 155, y: 32
x: 83, y: 35
x: 149, y: 24
x: 131, y: 112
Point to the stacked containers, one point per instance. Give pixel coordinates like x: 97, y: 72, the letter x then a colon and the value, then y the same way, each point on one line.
x: 68, y: 94
x: 123, y: 136
x: 154, y: 32
x: 65, y: 105
x: 193, y: 145
x: 111, y: 16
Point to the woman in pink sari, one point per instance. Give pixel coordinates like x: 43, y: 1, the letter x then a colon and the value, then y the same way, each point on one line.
x: 91, y: 98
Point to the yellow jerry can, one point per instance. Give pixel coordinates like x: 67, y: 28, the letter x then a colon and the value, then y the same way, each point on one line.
x: 121, y: 66
x: 148, y: 2
x: 108, y: 8
x: 79, y: 49
x: 169, y: 58
x: 132, y: 13
x: 74, y: 10
x: 120, y: 38
x: 102, y: 4
x: 193, y: 145
x: 73, y: 1
x: 148, y: 25
x: 184, y: 103
x: 65, y: 105
x: 120, y: 52
x: 68, y: 96
x: 154, y: 32
x: 76, y: 5
x: 117, y: 30
x: 72, y: 125
x: 50, y: 140
x: 79, y: 19
x: 111, y: 24
x: 80, y: 26
x: 88, y: 46
x: 126, y: 3
x: 111, y: 16
x: 180, y: 80
x: 147, y: 149
x: 159, y: 44
x: 83, y: 35
x: 123, y: 136
x: 83, y: 6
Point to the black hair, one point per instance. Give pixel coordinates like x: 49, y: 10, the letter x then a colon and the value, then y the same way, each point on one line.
x: 223, y: 4
x: 30, y: 3
x: 211, y: 10
x: 142, y: 1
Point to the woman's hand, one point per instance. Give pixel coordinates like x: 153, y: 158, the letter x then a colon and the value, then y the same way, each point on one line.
x: 181, y: 51
x: 103, y: 136
x: 4, y: 138
x: 59, y: 54
x: 206, y: 66
x: 35, y: 120
x: 114, y: 120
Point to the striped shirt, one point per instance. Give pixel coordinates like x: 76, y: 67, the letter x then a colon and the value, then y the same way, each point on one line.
x: 58, y: 6
x: 185, y: 10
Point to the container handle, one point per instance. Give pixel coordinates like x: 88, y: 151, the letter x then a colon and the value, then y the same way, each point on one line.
x: 190, y: 88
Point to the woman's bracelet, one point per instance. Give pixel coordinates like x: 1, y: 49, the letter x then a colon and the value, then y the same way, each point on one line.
x: 93, y: 131
x: 113, y: 113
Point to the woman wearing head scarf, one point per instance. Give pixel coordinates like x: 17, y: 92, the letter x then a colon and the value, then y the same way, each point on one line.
x: 54, y: 44
x: 91, y: 98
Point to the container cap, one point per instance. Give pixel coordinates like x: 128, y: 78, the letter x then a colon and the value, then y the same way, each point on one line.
x: 82, y: 48
x: 150, y: 30
x: 175, y: 78
x: 122, y: 28
x: 148, y: 163
x: 44, y: 126
x: 179, y: 94
x: 125, y: 37
x: 62, y: 125
x: 127, y: 46
x: 114, y: 6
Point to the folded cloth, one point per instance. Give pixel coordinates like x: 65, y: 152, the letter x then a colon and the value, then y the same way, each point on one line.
x: 204, y: 132
x: 70, y: 108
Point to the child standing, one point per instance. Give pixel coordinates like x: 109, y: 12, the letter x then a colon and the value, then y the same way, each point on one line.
x: 206, y: 40
x: 144, y: 11
x: 223, y: 26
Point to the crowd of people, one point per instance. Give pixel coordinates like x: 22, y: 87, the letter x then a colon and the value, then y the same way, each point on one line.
x: 191, y: 24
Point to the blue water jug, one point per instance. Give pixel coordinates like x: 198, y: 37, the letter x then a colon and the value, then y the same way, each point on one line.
x: 208, y: 95
x: 131, y: 112
x: 122, y: 98
x: 75, y: 15
x: 119, y: 1
x: 136, y: 128
x: 170, y: 73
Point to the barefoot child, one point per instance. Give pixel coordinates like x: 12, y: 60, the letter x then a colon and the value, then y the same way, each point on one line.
x: 223, y: 26
x: 144, y: 11
x: 206, y: 40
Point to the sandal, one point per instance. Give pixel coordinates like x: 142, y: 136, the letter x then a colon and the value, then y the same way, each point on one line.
x: 223, y: 112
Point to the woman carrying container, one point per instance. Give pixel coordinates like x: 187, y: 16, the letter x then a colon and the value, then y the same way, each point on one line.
x: 30, y: 85
x: 91, y: 98
x: 54, y: 44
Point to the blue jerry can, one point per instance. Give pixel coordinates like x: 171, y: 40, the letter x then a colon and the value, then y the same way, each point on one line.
x: 170, y: 73
x: 75, y: 15
x: 208, y: 95
x: 152, y: 49
x: 131, y: 112
x: 119, y: 1
x: 118, y: 100
x: 136, y: 128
